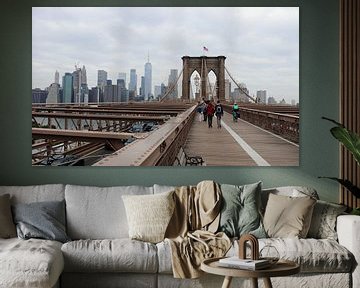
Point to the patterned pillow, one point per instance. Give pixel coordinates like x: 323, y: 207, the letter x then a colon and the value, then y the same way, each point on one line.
x: 323, y: 222
x: 149, y: 215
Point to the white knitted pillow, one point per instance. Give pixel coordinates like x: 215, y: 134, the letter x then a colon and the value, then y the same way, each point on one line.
x: 149, y: 215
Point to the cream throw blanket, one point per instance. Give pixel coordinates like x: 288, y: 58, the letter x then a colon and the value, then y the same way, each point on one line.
x: 191, y: 231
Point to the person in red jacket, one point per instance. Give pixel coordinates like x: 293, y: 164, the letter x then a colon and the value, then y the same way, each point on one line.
x: 210, y: 111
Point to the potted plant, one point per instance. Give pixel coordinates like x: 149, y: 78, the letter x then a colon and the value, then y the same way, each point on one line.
x: 351, y: 141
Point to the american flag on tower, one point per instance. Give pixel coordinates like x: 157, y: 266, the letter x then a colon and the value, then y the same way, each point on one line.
x: 205, y: 49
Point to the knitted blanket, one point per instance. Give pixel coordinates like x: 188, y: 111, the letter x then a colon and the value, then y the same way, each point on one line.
x: 191, y: 232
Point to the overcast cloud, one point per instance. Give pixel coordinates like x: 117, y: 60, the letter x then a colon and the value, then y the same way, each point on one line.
x: 261, y: 45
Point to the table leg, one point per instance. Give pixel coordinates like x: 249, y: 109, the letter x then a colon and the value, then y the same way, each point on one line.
x: 267, y: 282
x: 227, y: 282
x: 254, y: 282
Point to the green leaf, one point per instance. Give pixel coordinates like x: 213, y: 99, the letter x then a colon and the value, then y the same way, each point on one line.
x: 347, y: 184
x: 349, y: 139
x: 355, y: 211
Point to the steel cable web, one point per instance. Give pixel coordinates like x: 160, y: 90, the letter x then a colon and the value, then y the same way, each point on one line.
x: 239, y: 86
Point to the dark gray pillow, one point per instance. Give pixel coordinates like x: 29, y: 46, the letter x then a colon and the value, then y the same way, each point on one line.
x: 240, y: 213
x: 44, y: 220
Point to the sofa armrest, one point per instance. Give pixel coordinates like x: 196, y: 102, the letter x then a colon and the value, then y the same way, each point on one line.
x: 348, y: 230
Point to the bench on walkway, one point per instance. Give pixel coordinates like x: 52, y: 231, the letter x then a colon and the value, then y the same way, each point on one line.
x: 182, y: 159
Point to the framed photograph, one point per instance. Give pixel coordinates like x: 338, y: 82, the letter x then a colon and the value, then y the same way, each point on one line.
x: 165, y: 86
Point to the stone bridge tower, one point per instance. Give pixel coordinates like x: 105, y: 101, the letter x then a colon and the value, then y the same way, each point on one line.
x: 203, y: 65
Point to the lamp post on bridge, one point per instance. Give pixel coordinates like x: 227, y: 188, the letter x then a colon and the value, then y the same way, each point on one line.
x: 197, y: 87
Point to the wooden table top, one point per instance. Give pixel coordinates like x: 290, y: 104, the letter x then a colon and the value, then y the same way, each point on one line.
x: 281, y: 268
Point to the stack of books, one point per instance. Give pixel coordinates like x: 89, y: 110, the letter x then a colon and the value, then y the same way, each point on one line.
x: 248, y: 264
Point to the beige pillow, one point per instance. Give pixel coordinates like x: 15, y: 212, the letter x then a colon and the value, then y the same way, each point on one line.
x: 149, y: 215
x: 288, y: 217
x: 7, y: 226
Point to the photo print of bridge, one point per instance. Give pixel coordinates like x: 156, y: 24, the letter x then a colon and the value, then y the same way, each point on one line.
x: 129, y: 86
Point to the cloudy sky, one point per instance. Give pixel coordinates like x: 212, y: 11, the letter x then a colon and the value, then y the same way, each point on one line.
x: 261, y: 45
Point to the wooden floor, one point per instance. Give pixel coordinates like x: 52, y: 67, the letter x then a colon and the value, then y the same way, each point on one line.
x: 219, y: 148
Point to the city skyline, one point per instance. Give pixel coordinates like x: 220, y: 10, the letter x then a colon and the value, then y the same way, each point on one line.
x: 269, y: 59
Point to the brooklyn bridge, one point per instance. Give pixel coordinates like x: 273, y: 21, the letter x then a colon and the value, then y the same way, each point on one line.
x: 167, y: 132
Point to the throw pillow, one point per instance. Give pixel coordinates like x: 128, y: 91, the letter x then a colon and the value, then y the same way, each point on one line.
x: 7, y: 226
x: 44, y: 220
x: 323, y: 222
x: 240, y: 213
x: 287, y: 217
x: 149, y: 215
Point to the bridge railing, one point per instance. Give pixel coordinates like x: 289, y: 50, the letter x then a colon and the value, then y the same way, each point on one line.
x: 159, y: 148
x: 286, y: 126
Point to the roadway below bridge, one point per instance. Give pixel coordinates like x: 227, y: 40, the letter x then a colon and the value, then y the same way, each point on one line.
x: 99, y: 136
x: 239, y: 144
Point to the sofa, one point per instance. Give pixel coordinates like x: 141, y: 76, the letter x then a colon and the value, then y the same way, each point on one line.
x: 101, y: 254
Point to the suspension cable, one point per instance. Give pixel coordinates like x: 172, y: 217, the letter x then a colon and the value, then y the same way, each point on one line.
x: 172, y: 87
x: 241, y: 88
x: 207, y: 81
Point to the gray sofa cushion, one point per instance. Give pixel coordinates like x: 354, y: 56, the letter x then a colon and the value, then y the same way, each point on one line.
x: 34, y: 193
x: 30, y: 263
x: 117, y: 255
x: 98, y: 213
x: 313, y: 255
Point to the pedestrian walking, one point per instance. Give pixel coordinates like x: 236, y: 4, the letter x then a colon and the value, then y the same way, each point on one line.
x: 219, y: 112
x: 199, y: 110
x: 210, y: 111
x: 205, y: 109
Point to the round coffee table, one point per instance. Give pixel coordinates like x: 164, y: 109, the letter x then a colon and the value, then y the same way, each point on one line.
x: 281, y: 268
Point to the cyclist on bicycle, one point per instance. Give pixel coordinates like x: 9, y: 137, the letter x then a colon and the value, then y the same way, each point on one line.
x: 235, y: 112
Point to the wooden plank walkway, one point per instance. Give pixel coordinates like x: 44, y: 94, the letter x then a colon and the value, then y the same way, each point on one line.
x: 219, y: 148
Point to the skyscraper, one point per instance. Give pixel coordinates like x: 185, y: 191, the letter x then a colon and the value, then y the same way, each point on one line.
x: 227, y: 89
x: 171, y: 82
x: 57, y: 77
x: 142, y: 87
x: 133, y: 81
x: 261, y: 96
x: 122, y: 76
x: 53, y: 96
x: 102, y: 77
x: 147, y: 80
x: 67, y: 84
x: 157, y: 91
x: 80, y: 85
x: 39, y: 96
x: 244, y: 91
x: 83, y: 75
x: 109, y: 92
